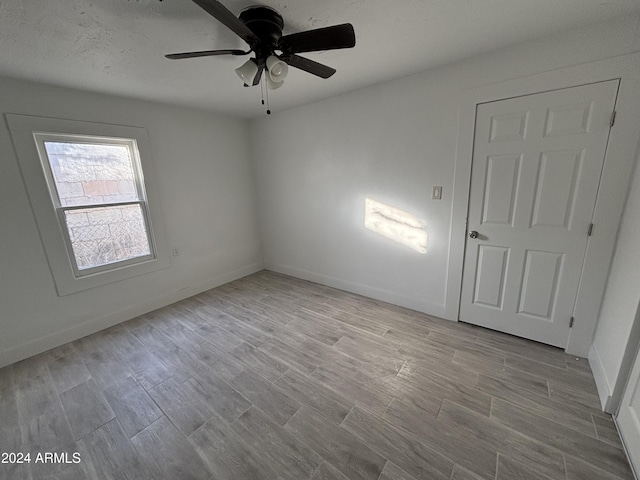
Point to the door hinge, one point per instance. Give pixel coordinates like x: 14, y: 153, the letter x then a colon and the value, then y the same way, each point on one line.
x: 590, y: 231
x: 571, y: 323
x: 613, y: 119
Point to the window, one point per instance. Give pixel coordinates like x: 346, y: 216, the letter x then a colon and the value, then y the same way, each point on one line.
x: 97, y: 190
x: 94, y: 207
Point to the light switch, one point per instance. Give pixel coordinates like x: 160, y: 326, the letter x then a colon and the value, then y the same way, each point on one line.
x: 437, y: 193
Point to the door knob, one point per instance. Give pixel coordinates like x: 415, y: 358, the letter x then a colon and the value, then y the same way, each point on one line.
x: 473, y: 234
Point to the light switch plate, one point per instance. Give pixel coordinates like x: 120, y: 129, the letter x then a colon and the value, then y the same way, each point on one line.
x: 437, y: 193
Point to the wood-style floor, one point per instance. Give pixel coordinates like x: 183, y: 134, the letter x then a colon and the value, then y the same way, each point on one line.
x: 271, y: 377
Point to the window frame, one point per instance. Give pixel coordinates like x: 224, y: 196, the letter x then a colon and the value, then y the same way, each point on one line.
x: 41, y: 138
x: 28, y: 134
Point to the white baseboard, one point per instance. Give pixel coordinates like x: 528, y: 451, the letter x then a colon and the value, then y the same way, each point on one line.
x: 94, y: 325
x: 602, y: 383
x: 429, y: 308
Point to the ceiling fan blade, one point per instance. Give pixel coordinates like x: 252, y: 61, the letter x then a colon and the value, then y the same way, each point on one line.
x: 229, y: 20
x: 310, y: 66
x: 205, y: 53
x: 327, y: 38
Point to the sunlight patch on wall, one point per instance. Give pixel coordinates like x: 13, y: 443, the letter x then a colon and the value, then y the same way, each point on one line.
x: 395, y: 224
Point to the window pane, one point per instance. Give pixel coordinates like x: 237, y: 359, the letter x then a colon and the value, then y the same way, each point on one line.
x: 103, y: 235
x: 90, y: 174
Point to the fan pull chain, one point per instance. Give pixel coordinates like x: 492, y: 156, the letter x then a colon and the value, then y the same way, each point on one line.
x: 264, y: 92
x: 267, y: 92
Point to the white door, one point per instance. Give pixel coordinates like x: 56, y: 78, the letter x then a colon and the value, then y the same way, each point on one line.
x: 628, y: 418
x: 536, y: 168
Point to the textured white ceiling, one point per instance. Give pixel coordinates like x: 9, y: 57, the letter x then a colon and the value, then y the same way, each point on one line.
x: 117, y: 46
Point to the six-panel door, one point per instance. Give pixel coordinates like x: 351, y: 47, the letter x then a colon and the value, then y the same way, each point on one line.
x: 536, y: 167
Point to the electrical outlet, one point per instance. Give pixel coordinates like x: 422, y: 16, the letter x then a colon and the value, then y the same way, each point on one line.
x: 437, y: 193
x: 175, y: 252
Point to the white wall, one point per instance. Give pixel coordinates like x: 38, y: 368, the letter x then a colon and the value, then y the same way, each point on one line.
x: 202, y: 165
x: 316, y: 163
x: 621, y: 300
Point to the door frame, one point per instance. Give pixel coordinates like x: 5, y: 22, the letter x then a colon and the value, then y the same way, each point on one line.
x: 618, y: 167
x: 614, y: 401
x: 625, y: 382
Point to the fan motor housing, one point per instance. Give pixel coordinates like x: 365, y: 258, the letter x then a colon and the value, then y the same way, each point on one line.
x: 265, y: 22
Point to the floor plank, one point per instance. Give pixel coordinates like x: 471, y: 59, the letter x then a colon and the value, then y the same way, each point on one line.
x: 68, y: 369
x: 259, y: 361
x: 44, y: 432
x: 108, y: 443
x: 357, y: 390
x: 289, y: 458
x: 606, y: 430
x: 411, y: 455
x: 564, y: 413
x: 340, y: 448
x: 35, y: 395
x: 65, y: 470
x: 579, y: 470
x: 511, y: 470
x: 86, y: 408
x: 563, y: 438
x: 266, y: 396
x: 327, y: 472
x: 132, y: 405
x: 539, y: 456
x: 106, y: 368
x: 311, y: 392
x: 476, y: 455
x: 167, y: 453
x: 227, y: 456
x: 291, y: 355
x: 461, y: 473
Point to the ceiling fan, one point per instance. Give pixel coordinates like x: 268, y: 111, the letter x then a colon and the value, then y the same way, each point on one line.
x: 261, y: 28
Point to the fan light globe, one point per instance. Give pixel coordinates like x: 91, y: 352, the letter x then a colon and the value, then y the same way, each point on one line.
x: 247, y: 71
x: 271, y: 85
x: 277, y: 70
